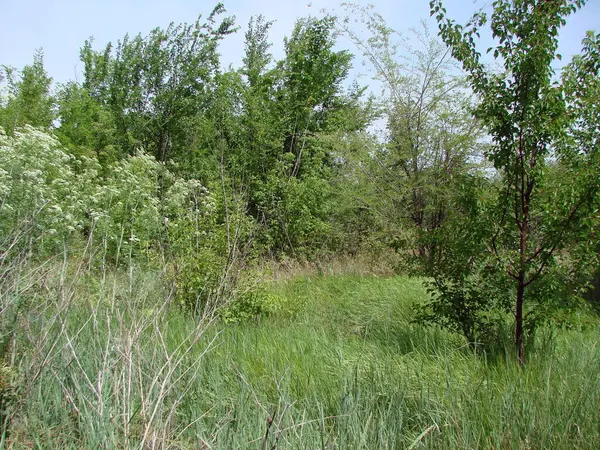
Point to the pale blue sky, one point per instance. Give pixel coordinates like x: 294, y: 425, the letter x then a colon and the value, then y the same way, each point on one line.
x: 61, y: 26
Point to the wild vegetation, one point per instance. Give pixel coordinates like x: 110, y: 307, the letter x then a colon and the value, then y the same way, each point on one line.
x: 200, y: 257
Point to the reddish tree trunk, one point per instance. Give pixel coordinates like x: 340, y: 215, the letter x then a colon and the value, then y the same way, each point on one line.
x: 519, y: 317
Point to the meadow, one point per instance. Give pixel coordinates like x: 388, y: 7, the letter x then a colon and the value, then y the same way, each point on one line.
x: 106, y: 360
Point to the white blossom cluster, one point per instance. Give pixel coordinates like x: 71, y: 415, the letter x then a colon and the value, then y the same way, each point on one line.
x: 55, y: 195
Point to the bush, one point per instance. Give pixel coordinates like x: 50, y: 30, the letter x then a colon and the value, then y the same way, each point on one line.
x: 124, y: 208
x: 41, y: 191
x: 256, y: 303
x: 465, y: 307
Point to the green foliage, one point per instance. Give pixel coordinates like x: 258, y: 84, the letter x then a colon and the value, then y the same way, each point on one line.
x: 256, y: 303
x: 277, y: 155
x: 462, y: 308
x: 10, y: 383
x: 527, y: 115
x: 199, y: 275
x: 154, y: 87
x: 431, y: 139
x: 210, y: 243
x: 86, y: 128
x: 295, y: 198
x: 134, y: 312
x: 347, y: 367
x: 29, y: 100
x: 296, y: 212
x: 125, y: 207
x: 133, y: 207
x: 469, y: 295
x: 257, y: 57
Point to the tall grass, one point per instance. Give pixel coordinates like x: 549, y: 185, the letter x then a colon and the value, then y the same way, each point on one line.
x: 106, y: 359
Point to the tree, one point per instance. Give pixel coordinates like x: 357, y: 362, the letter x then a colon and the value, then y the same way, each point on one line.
x: 259, y: 120
x: 312, y: 74
x: 528, y: 117
x: 257, y: 57
x: 86, y: 127
x: 431, y: 138
x: 286, y: 110
x: 30, y: 101
x: 156, y: 86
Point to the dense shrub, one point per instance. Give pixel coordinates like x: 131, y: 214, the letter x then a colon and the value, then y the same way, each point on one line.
x: 42, y: 190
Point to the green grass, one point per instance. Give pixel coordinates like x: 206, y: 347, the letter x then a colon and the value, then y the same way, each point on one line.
x: 340, y: 365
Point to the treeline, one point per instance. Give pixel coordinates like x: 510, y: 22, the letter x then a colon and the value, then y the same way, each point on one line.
x: 484, y: 181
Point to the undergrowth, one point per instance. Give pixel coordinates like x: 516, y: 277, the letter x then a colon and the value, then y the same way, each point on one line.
x: 108, y: 360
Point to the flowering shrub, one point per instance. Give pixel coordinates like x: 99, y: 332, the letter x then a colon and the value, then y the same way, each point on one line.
x: 133, y: 209
x: 48, y: 196
x: 124, y: 207
x: 189, y: 211
x: 40, y: 192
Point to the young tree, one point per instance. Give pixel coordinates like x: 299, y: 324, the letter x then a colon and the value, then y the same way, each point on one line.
x: 30, y: 101
x: 431, y: 138
x: 260, y: 122
x: 526, y: 111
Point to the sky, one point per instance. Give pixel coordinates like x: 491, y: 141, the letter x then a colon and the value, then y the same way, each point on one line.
x: 60, y: 27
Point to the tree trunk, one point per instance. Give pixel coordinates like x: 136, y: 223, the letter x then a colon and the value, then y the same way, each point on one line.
x: 519, y: 317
